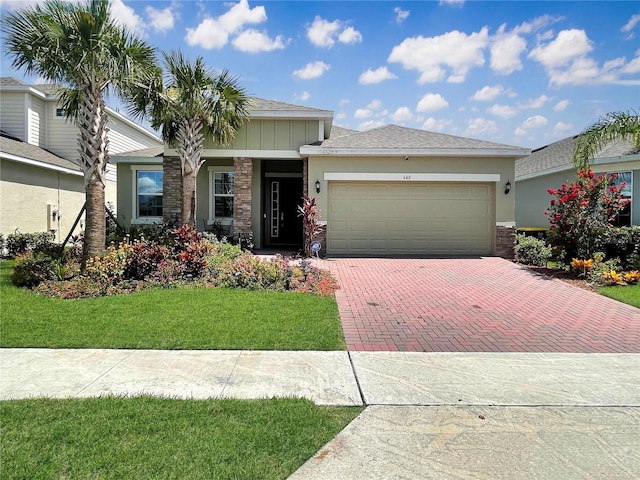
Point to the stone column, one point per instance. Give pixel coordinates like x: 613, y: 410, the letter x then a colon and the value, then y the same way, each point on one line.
x: 505, y: 242
x: 171, y: 190
x: 305, y: 177
x: 242, y: 170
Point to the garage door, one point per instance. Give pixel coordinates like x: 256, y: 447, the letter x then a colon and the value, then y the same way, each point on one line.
x: 387, y: 218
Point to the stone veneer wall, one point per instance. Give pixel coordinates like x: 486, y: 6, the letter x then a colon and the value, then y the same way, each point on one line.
x: 243, y: 169
x: 172, y: 190
x: 322, y: 238
x: 505, y: 242
x: 305, y: 177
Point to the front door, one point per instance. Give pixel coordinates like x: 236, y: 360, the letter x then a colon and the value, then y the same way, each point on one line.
x: 284, y: 226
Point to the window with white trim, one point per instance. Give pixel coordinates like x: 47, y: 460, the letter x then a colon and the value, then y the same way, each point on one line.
x: 147, y: 193
x: 221, y: 187
x: 623, y: 178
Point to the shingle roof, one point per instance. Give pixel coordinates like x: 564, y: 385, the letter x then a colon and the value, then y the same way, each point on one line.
x: 145, y: 152
x: 393, y: 137
x: 13, y: 146
x: 261, y: 104
x: 559, y: 155
x: 341, y: 131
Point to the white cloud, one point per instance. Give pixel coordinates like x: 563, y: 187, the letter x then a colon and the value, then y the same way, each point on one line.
x: 538, y: 23
x: 160, y: 20
x: 401, y: 15
x: 214, y: 32
x: 350, y: 36
x: 506, y: 49
x: 344, y: 101
x: 633, y: 66
x: 402, y: 114
x: 502, y: 111
x: 453, y: 3
x: 376, y: 76
x: 253, y: 41
x: 375, y: 104
x: 487, y: 93
x: 630, y: 25
x: 433, y: 125
x: 311, y: 70
x: 456, y: 50
x: 536, y: 121
x: 520, y: 132
x: 370, y: 124
x: 568, y: 45
x: 561, y: 129
x: 362, y: 113
x: 561, y: 106
x: 479, y: 127
x: 431, y: 102
x: 323, y: 33
x: 127, y: 17
x: 303, y: 97
x: 535, y: 102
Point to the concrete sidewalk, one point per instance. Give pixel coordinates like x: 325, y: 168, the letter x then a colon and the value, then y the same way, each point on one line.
x: 429, y: 415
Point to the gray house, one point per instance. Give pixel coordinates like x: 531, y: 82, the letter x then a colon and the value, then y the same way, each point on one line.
x: 552, y: 165
x: 391, y: 190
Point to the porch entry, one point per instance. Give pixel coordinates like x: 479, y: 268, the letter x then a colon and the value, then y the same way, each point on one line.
x: 282, y: 195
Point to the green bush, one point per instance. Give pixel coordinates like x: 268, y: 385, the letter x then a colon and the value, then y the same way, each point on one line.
x: 32, y: 268
x: 18, y: 243
x: 532, y: 251
x: 623, y: 243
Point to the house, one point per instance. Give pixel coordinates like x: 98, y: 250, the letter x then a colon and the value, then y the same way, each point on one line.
x: 41, y: 185
x: 552, y: 165
x: 391, y: 190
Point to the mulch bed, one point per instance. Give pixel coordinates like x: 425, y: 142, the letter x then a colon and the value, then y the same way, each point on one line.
x: 564, y: 275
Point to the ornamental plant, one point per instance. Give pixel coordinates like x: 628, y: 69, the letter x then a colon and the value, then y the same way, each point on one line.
x: 310, y: 226
x: 581, y: 212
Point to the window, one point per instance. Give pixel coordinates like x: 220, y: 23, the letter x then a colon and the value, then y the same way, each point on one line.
x: 223, y: 183
x: 147, y: 198
x: 61, y: 112
x: 624, y: 217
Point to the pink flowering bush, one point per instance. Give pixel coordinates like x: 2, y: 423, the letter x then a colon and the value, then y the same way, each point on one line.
x: 581, y: 213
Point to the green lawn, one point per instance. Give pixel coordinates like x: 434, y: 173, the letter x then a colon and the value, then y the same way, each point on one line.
x: 629, y: 294
x: 186, y: 318
x: 147, y: 437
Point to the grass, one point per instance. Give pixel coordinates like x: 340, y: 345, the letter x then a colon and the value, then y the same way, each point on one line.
x: 146, y: 437
x: 629, y: 294
x: 186, y: 318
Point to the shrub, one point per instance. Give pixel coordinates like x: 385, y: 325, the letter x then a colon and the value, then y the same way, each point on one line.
x: 18, y: 243
x: 32, y: 268
x: 143, y: 259
x: 310, y: 226
x: 623, y: 243
x: 111, y: 266
x: 581, y: 213
x: 532, y: 251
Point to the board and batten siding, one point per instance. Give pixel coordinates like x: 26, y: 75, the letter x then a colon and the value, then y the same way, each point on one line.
x: 272, y: 135
x: 12, y: 119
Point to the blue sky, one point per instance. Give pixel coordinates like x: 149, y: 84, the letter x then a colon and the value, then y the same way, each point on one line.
x: 521, y: 73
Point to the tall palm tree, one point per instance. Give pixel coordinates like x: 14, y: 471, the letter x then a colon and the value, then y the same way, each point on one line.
x: 614, y: 126
x: 189, y: 102
x: 80, y: 47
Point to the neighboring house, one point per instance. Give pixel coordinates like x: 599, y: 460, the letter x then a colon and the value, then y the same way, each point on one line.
x: 551, y: 166
x: 391, y: 190
x: 38, y: 152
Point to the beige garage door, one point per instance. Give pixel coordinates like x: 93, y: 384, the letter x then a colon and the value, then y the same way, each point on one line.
x: 378, y: 218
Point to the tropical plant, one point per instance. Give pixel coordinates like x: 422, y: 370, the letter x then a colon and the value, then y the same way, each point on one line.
x: 80, y: 47
x: 613, y: 126
x: 190, y: 102
x: 310, y: 226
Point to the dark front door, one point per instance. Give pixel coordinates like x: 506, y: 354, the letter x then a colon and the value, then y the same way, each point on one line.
x: 284, y: 226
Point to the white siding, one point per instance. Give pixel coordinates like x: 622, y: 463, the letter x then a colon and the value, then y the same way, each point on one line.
x: 126, y: 138
x: 62, y: 137
x: 37, y: 122
x: 12, y: 115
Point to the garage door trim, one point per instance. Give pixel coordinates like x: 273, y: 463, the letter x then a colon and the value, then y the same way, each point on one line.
x: 412, y: 177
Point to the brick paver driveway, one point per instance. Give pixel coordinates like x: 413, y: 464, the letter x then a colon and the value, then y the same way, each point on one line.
x: 474, y: 305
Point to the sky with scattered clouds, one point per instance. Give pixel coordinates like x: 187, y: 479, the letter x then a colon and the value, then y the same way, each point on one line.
x: 518, y: 72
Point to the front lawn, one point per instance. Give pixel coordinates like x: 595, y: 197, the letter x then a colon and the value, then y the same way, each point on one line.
x: 147, y: 437
x: 182, y: 318
x: 629, y: 294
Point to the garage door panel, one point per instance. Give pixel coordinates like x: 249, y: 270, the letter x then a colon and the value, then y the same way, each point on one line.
x: 411, y: 218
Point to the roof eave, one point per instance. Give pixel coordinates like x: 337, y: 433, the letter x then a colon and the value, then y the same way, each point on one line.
x: 419, y: 152
x: 37, y: 163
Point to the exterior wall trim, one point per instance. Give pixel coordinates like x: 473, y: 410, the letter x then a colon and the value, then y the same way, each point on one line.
x: 134, y: 197
x: 419, y: 152
x: 36, y: 163
x: 413, y: 177
x: 230, y: 153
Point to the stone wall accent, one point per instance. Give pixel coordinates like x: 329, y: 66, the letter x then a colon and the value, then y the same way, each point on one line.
x: 505, y: 242
x: 243, y: 170
x: 171, y: 190
x: 305, y: 177
x: 322, y: 238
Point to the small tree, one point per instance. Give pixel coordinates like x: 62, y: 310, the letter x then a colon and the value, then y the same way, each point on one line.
x: 580, y: 214
x: 310, y: 227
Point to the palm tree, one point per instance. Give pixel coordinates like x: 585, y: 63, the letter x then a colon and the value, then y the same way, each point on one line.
x: 188, y: 102
x: 614, y: 126
x: 80, y: 47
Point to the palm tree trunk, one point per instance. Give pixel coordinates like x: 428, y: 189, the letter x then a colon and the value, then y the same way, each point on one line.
x: 191, y: 143
x: 94, y: 156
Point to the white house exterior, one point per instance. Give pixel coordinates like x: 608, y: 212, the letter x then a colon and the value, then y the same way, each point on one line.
x: 38, y: 152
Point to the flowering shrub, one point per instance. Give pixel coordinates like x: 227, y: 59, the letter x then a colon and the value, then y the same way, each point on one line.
x: 111, y: 266
x: 580, y: 214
